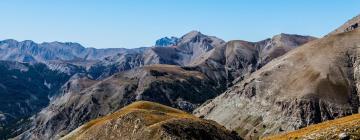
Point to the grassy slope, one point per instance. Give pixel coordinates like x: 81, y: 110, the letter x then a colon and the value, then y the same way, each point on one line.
x: 326, y: 130
x: 143, y: 106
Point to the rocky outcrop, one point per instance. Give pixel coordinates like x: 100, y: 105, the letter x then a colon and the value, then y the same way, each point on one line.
x: 350, y: 25
x: 167, y: 42
x: 311, y: 84
x: 151, y: 121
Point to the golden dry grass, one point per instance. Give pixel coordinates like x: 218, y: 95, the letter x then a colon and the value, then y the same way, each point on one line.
x: 341, y: 123
x: 163, y: 113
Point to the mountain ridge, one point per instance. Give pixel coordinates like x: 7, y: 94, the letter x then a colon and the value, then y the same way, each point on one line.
x: 310, y: 84
x: 164, y: 81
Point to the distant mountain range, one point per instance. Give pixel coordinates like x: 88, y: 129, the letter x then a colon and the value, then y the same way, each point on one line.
x: 198, y: 68
x: 29, y: 51
x: 254, y: 89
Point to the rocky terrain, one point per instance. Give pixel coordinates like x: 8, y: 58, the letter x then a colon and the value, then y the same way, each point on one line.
x: 170, y: 85
x: 308, y: 85
x: 167, y: 42
x: 206, y: 67
x: 343, y: 128
x: 208, y: 64
x: 150, y: 121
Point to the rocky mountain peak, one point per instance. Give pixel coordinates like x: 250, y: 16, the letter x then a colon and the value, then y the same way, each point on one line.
x: 191, y: 35
x: 9, y: 41
x: 166, y: 41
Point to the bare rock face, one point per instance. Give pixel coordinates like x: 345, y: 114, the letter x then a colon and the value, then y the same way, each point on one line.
x: 150, y: 121
x: 165, y: 84
x: 311, y: 84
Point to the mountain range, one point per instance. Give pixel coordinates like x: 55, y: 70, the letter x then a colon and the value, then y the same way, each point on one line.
x: 254, y: 89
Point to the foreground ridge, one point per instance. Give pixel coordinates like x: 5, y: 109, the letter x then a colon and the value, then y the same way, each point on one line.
x: 342, y: 128
x: 148, y: 120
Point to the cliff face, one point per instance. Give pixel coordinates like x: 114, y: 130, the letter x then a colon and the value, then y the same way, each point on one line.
x: 311, y: 84
x: 150, y: 121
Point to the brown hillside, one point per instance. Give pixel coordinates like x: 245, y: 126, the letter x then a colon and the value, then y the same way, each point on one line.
x: 350, y: 126
x: 150, y: 121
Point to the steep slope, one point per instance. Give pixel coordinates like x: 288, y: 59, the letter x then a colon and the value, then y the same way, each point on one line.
x: 150, y: 121
x: 166, y: 84
x: 24, y: 90
x: 342, y: 128
x: 311, y: 84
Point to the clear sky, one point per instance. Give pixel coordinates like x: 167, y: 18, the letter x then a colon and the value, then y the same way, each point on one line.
x: 136, y: 23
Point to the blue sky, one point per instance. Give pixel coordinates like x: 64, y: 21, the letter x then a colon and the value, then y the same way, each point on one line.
x: 136, y: 23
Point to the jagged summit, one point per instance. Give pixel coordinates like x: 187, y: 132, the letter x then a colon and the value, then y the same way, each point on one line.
x: 167, y: 42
